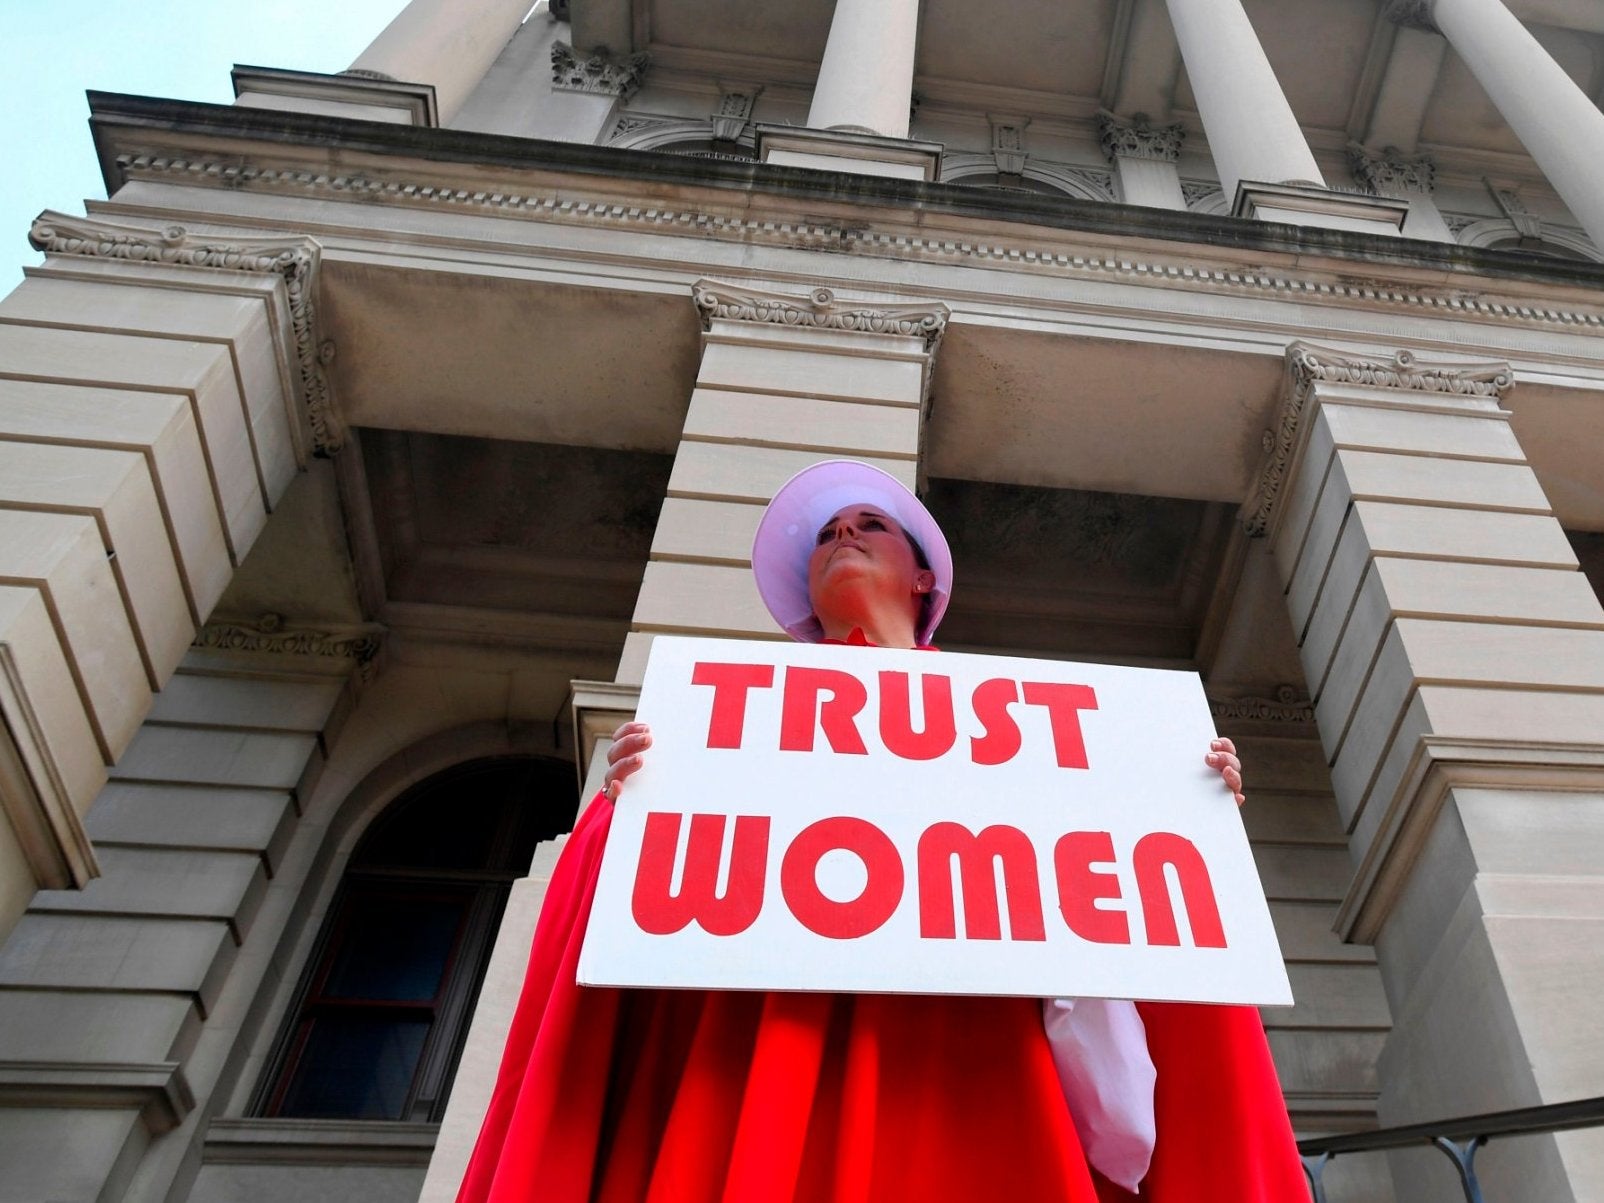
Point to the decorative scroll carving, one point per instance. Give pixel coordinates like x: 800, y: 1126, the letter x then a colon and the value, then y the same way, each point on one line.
x: 1392, y: 173
x: 295, y: 259
x: 1288, y: 706
x: 1137, y: 139
x: 1308, y: 365
x: 1507, y: 197
x: 359, y: 644
x: 820, y: 310
x: 599, y: 72
x: 733, y: 114
x: 1412, y: 14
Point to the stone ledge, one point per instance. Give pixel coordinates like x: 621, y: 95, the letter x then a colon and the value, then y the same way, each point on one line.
x: 318, y: 1142
x: 158, y: 1089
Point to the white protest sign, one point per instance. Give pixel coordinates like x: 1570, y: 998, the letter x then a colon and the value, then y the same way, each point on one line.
x: 859, y: 819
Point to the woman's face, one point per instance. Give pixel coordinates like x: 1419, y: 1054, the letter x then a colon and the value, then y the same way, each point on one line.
x: 863, y: 550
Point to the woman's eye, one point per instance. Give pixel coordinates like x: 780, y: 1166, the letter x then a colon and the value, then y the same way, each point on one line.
x: 824, y: 536
x: 873, y: 524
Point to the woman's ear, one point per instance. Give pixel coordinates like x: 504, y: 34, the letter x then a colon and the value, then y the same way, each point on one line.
x: 924, y: 581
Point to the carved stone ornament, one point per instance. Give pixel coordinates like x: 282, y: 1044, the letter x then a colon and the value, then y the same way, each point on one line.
x: 600, y: 72
x: 1412, y: 14
x: 1288, y: 706
x: 295, y: 259
x: 1392, y: 173
x: 1008, y: 144
x: 1136, y: 139
x: 1308, y: 366
x: 820, y: 310
x: 732, y: 115
x: 359, y: 644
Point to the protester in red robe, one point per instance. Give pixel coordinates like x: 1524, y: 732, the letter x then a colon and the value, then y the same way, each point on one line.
x: 646, y: 1096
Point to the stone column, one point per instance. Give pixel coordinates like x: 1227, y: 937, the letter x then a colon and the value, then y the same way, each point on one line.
x: 1143, y: 157
x: 449, y: 44
x: 785, y: 381
x: 154, y: 401
x: 1561, y: 128
x: 865, y: 83
x: 1251, y: 130
x: 1456, y: 658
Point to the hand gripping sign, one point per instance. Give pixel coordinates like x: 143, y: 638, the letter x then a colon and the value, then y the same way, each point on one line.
x: 858, y: 819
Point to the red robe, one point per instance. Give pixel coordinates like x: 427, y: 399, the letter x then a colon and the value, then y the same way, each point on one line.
x: 658, y: 1096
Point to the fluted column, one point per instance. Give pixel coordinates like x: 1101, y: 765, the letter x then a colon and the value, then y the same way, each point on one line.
x: 866, y: 80
x: 1560, y: 127
x: 447, y: 43
x: 1250, y: 127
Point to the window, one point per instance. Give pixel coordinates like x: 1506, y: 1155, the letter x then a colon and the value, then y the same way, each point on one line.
x: 379, y: 1020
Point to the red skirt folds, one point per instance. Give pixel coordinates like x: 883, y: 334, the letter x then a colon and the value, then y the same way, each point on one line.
x: 646, y: 1096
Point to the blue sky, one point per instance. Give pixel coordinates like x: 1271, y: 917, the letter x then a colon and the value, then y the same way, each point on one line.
x: 51, y: 53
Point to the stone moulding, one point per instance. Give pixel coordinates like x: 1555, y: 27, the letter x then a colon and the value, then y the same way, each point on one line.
x: 819, y: 310
x: 1288, y: 706
x: 804, y: 234
x: 598, y: 72
x: 1309, y: 365
x: 269, y: 634
x: 296, y: 260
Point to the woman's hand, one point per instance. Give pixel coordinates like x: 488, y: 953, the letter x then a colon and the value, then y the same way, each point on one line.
x: 624, y: 757
x: 1222, y: 758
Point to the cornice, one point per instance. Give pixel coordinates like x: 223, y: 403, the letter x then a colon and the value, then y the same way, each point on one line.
x: 1178, y: 270
x: 819, y: 310
x: 268, y: 634
x: 1309, y: 365
x: 294, y: 259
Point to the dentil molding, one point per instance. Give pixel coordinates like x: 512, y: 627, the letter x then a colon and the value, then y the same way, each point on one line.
x: 819, y: 310
x: 1039, y: 255
x: 296, y: 260
x: 1309, y: 366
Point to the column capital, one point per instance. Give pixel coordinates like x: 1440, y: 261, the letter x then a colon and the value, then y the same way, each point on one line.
x: 819, y: 310
x: 1137, y: 139
x: 1412, y: 14
x: 1390, y: 172
x: 599, y: 72
x: 1308, y: 366
x: 295, y: 259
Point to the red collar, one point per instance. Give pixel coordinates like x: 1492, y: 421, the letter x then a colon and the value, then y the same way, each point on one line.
x: 856, y: 638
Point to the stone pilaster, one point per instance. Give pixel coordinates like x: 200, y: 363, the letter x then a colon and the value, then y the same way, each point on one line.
x: 1455, y: 655
x: 1143, y: 156
x: 158, y: 392
x: 1410, y: 178
x: 785, y: 380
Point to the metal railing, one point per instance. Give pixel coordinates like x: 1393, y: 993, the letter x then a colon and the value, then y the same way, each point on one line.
x: 1458, y: 1138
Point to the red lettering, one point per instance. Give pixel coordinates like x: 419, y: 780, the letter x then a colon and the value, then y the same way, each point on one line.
x: 1152, y: 853
x: 800, y: 709
x: 1079, y: 888
x: 896, y: 719
x: 730, y: 683
x: 823, y: 916
x: 1002, y: 740
x: 662, y: 913
x: 977, y: 855
x: 1064, y: 704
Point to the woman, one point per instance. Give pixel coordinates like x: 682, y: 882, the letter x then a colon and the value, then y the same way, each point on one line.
x: 687, y: 1096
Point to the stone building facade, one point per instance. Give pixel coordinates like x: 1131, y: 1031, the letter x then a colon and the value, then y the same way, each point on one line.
x: 354, y: 450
